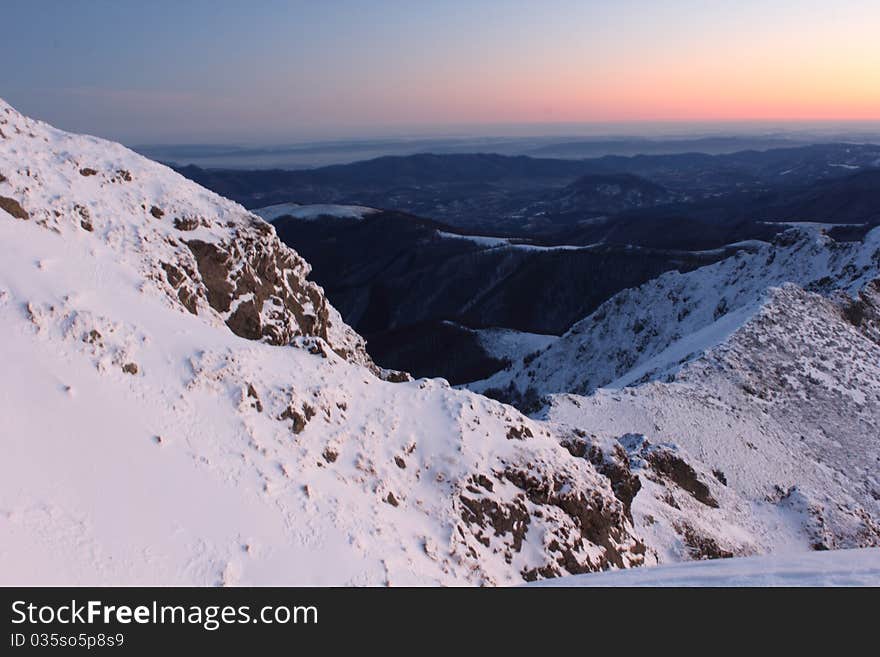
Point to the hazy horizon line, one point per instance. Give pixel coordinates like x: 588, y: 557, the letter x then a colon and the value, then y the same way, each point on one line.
x: 649, y: 130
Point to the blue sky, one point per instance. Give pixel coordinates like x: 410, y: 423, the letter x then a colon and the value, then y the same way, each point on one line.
x: 269, y: 70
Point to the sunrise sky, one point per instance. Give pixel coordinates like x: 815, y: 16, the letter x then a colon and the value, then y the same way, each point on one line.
x: 235, y: 71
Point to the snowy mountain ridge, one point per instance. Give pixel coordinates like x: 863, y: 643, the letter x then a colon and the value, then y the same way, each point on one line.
x: 313, y: 212
x: 647, y: 333
x: 183, y: 407
x: 784, y: 413
x: 231, y: 269
x: 764, y: 368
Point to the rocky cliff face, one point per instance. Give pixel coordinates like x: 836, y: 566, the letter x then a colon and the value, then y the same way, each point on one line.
x: 211, y: 257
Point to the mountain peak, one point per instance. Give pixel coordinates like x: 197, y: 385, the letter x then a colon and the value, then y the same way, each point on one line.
x: 205, y: 254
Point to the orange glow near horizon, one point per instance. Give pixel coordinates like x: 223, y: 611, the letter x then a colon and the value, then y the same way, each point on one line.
x: 390, y: 67
x: 753, y: 90
x: 786, y: 66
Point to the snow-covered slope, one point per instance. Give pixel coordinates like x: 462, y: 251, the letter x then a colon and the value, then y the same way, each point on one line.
x: 647, y: 333
x: 786, y: 413
x: 313, y: 212
x: 181, y: 406
x: 509, y: 243
x: 507, y: 344
x: 762, y: 369
x: 839, y: 568
x: 205, y: 254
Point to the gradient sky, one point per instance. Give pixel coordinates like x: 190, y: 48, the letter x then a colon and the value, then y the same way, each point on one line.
x: 272, y: 70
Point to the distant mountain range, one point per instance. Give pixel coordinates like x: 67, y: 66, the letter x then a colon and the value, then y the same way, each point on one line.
x: 523, y: 196
x: 340, y: 151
